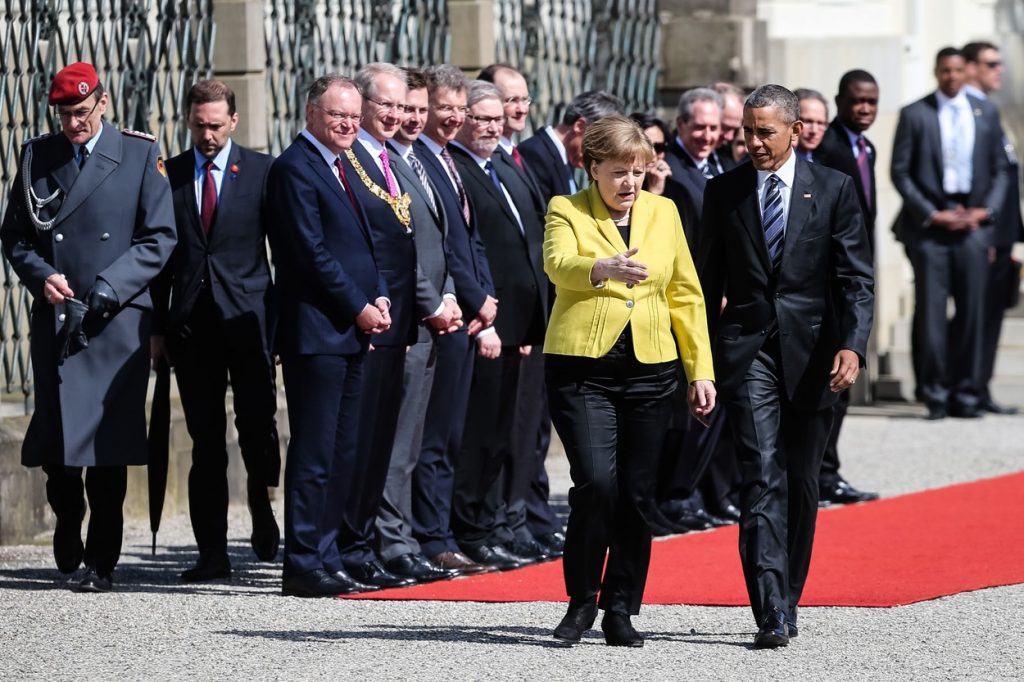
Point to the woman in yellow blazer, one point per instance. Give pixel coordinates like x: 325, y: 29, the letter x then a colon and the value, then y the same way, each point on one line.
x: 628, y: 306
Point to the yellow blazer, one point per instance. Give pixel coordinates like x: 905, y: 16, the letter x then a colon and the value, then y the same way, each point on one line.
x: 586, y: 321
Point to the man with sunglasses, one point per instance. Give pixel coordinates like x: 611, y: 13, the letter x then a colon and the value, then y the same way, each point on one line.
x: 984, y: 75
x: 89, y: 224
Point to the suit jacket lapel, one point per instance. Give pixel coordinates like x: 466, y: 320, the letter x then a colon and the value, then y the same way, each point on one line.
x: 980, y: 133
x: 102, y: 162
x: 471, y: 171
x: 801, y: 198
x: 749, y: 213
x: 411, y: 182
x: 183, y: 178
x: 561, y: 171
x: 639, y: 219
x: 934, y: 132
x: 320, y: 168
x: 605, y: 225
x: 67, y: 172
x: 229, y: 186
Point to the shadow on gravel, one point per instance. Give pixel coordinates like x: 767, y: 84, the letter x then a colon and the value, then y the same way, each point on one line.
x: 703, y: 638
x: 514, y: 635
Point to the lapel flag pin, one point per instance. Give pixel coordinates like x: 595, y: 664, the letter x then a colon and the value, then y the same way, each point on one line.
x: 807, y: 195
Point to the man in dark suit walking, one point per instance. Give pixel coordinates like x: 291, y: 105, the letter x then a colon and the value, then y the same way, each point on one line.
x: 845, y: 148
x: 216, y: 324
x: 88, y: 225
x: 949, y: 166
x: 433, y: 478
x: 984, y: 75
x: 331, y: 299
x: 510, y: 226
x: 784, y: 238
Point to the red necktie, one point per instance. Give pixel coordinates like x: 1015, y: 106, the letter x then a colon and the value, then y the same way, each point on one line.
x: 348, y: 188
x: 208, y: 208
x: 517, y: 157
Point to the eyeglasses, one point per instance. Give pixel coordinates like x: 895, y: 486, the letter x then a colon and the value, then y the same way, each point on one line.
x: 994, y: 64
x: 448, y: 109
x: 339, y: 116
x: 484, y: 121
x: 518, y: 100
x: 80, y: 114
x: 659, y: 147
x: 388, y: 106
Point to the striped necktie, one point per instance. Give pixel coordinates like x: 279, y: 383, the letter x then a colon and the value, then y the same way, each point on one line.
x: 421, y: 173
x: 463, y: 199
x: 772, y: 220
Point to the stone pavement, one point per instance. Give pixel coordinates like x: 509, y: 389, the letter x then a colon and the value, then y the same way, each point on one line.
x: 154, y: 627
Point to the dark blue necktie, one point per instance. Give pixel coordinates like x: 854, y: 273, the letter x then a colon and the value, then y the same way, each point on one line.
x: 494, y: 175
x: 772, y: 219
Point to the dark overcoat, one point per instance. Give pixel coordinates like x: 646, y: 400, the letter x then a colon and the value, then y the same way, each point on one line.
x: 113, y: 219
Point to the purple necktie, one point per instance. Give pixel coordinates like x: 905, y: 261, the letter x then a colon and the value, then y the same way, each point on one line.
x: 385, y: 162
x: 864, y: 167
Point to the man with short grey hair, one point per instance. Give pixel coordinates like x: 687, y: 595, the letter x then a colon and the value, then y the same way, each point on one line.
x: 786, y: 240
x: 554, y: 151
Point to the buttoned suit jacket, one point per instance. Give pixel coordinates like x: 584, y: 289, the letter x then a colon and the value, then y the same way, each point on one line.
x: 916, y: 166
x: 821, y: 297
x: 323, y: 257
x: 112, y: 220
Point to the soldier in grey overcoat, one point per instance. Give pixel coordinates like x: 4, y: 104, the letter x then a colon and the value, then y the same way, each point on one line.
x: 89, y: 223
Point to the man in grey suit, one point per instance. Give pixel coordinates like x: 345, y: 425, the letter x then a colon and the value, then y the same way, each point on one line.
x: 438, y: 313
x: 949, y: 167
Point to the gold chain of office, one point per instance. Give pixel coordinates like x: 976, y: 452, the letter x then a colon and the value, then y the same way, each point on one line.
x: 399, y: 204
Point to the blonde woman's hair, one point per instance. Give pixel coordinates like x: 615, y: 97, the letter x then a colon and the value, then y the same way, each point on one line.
x: 616, y: 138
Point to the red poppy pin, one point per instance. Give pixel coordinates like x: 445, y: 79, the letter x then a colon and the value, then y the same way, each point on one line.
x: 234, y: 169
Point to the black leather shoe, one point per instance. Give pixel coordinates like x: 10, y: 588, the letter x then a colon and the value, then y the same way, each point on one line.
x: 965, y: 412
x: 350, y: 585
x: 373, y: 573
x: 995, y: 408
x: 578, y: 619
x: 209, y: 567
x: 266, y: 536
x: 842, y: 492
x: 691, y: 520
x: 773, y: 632
x: 728, y: 512
x: 67, y: 543
x: 936, y: 412
x: 618, y: 630
x: 94, y: 582
x: 318, y: 583
x: 531, y: 550
x: 791, y: 628
x: 553, y: 542
x: 495, y: 555
x: 418, y: 568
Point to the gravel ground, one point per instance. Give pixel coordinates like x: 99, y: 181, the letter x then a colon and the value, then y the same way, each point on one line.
x: 154, y: 627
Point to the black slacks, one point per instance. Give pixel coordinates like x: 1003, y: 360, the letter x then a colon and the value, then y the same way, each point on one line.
x: 997, y: 299
x: 779, y: 447
x: 611, y: 414
x: 212, y: 351
x: 105, y: 488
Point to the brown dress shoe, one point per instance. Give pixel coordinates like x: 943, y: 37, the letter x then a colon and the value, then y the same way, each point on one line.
x: 460, y: 562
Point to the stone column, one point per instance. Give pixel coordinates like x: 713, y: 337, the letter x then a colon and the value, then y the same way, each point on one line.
x: 240, y: 60
x: 471, y: 23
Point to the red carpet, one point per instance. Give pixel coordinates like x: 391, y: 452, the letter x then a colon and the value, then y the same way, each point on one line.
x: 887, y: 553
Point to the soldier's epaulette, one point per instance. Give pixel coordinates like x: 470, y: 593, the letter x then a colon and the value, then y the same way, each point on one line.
x: 36, y: 138
x: 138, y: 133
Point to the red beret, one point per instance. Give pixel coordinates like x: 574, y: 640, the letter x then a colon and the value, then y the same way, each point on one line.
x: 73, y: 83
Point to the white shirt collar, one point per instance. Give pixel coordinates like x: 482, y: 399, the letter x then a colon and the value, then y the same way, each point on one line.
x: 506, y: 144
x: 480, y: 161
x: 434, y: 147
x: 328, y: 155
x: 558, y: 144
x: 974, y: 91
x: 220, y: 161
x: 959, y: 100
x: 91, y: 144
x: 372, y: 144
x: 696, y: 162
x: 402, y: 149
x: 786, y: 173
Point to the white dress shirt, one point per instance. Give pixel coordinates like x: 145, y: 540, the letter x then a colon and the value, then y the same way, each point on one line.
x: 786, y: 173
x: 956, y: 126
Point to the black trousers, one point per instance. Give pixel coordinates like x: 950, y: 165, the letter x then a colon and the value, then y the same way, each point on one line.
x: 212, y: 351
x: 948, y: 353
x: 997, y: 299
x: 378, y: 419
x: 779, y: 447
x: 830, y: 463
x: 323, y: 411
x: 519, y: 479
x: 611, y: 413
x: 105, y: 488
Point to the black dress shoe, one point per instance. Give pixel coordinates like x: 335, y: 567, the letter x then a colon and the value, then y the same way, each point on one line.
x: 791, y: 628
x: 495, y: 555
x: 373, y: 573
x: 773, y: 632
x: 318, y: 583
x: 842, y: 492
x: 67, y: 543
x: 618, y: 630
x: 457, y: 561
x: 553, y: 542
x: 266, y: 536
x: 691, y: 520
x: 995, y: 408
x: 531, y: 550
x: 211, y: 566
x: 350, y: 585
x: 418, y: 568
x: 965, y: 411
x: 936, y: 412
x: 578, y: 619
x: 94, y: 582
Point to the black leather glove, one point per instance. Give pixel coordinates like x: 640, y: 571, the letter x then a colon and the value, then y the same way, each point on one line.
x: 72, y: 337
x: 103, y: 305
